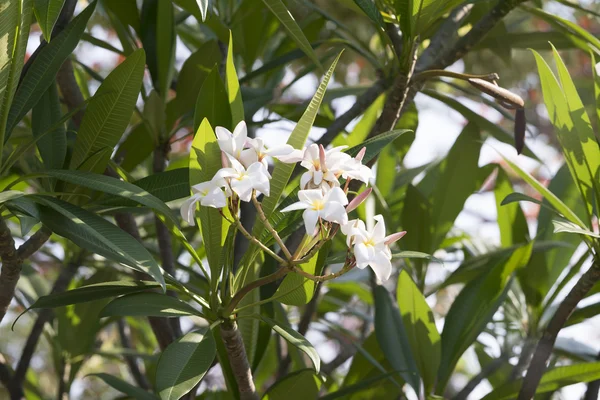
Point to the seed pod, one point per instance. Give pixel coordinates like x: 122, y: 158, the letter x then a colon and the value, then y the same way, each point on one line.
x: 505, y: 98
x: 520, y: 125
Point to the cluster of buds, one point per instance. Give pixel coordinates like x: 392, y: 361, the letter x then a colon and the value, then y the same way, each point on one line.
x: 325, y: 203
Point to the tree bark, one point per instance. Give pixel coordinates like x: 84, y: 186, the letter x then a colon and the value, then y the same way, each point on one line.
x: 546, y: 344
x: 236, y: 353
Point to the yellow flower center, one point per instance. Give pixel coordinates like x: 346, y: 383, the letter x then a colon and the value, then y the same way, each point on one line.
x: 369, y: 242
x: 317, y: 205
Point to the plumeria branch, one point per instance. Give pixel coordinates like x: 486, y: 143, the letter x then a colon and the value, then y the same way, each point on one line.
x: 254, y: 240
x: 269, y: 227
x: 322, y: 278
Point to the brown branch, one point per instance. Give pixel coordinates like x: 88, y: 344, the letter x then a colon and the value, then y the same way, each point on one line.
x: 363, y: 102
x: 44, y: 316
x: 546, y: 343
x: 12, y: 261
x: 477, y: 379
x: 131, y: 361
x: 165, y: 241
x: 236, y: 353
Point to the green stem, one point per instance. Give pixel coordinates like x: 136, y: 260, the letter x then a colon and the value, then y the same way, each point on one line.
x: 434, y: 73
x: 269, y: 227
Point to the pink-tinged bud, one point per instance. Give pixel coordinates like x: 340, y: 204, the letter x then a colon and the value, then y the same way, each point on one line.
x: 361, y: 154
x: 394, y: 237
x: 224, y: 160
x: 358, y: 200
x: 322, y: 156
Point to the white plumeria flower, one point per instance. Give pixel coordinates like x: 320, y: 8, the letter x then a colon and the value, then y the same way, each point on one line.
x: 371, y: 247
x: 257, y: 151
x: 328, y: 206
x: 232, y: 143
x: 209, y: 194
x: 244, y: 180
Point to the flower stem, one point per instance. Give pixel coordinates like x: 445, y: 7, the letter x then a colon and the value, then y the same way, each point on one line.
x: 270, y: 228
x: 254, y: 240
x: 323, y: 278
x: 432, y: 73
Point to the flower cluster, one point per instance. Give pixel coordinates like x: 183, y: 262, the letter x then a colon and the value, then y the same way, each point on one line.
x: 244, y: 174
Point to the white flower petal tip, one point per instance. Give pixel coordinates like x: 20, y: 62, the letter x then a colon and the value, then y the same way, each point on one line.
x: 328, y: 207
x: 361, y: 154
x: 357, y: 201
x: 394, y: 237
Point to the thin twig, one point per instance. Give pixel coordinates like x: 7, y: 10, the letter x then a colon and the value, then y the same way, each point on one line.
x: 254, y: 240
x: 544, y: 348
x: 131, y: 361
x: 44, y: 316
x: 477, y: 379
x: 272, y: 231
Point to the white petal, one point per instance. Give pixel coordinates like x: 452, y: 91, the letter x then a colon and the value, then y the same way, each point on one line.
x: 278, y: 151
x: 296, y: 206
x: 382, y: 268
x: 240, y: 134
x: 305, y: 179
x: 378, y: 233
x: 336, y: 195
x: 310, y: 196
x: 188, y: 209
x: 361, y: 252
x: 216, y: 198
x: 223, y: 133
x: 311, y: 218
x: 203, y: 187
x: 318, y: 177
x: 243, y: 188
x: 224, y: 173
x: 293, y: 157
x: 248, y: 157
x: 335, y: 212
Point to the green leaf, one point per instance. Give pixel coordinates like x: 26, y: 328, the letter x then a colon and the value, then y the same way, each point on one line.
x: 15, y: 21
x: 282, y: 172
x: 205, y: 161
x: 562, y: 225
x: 299, y: 290
x: 419, y: 322
x: 546, y: 193
x: 93, y: 292
x: 115, y: 187
x: 148, y: 305
x: 47, y: 113
x: 137, y: 147
x: 289, y: 23
x: 474, y: 308
x: 213, y: 103
x: 303, y: 384
x: 295, y: 339
x: 42, y: 71
x: 418, y: 15
x: 109, y: 112
x: 183, y: 364
x: 125, y: 387
x: 96, y: 234
x: 357, y: 388
x: 9, y: 195
x: 573, y: 126
x: 393, y: 338
x: 46, y: 13
x: 458, y: 178
x: 511, y: 220
x: 554, y: 379
x: 233, y: 87
x: 370, y: 9
x: 416, y: 219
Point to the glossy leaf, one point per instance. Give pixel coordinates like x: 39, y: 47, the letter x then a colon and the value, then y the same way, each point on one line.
x: 289, y: 23
x: 474, y: 307
x: 93, y: 292
x: 303, y: 384
x: 371, y: 11
x: 183, y: 364
x: 233, y: 87
x: 40, y: 74
x: 554, y: 379
x: 213, y: 103
x: 295, y: 339
x: 46, y: 114
x: 109, y: 112
x: 205, y: 161
x: 15, y: 21
x: 422, y: 334
x: 511, y: 220
x: 573, y: 126
x: 46, y: 13
x: 562, y: 225
x: 96, y: 234
x: 125, y: 387
x: 147, y: 305
x: 393, y: 338
x: 115, y: 187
